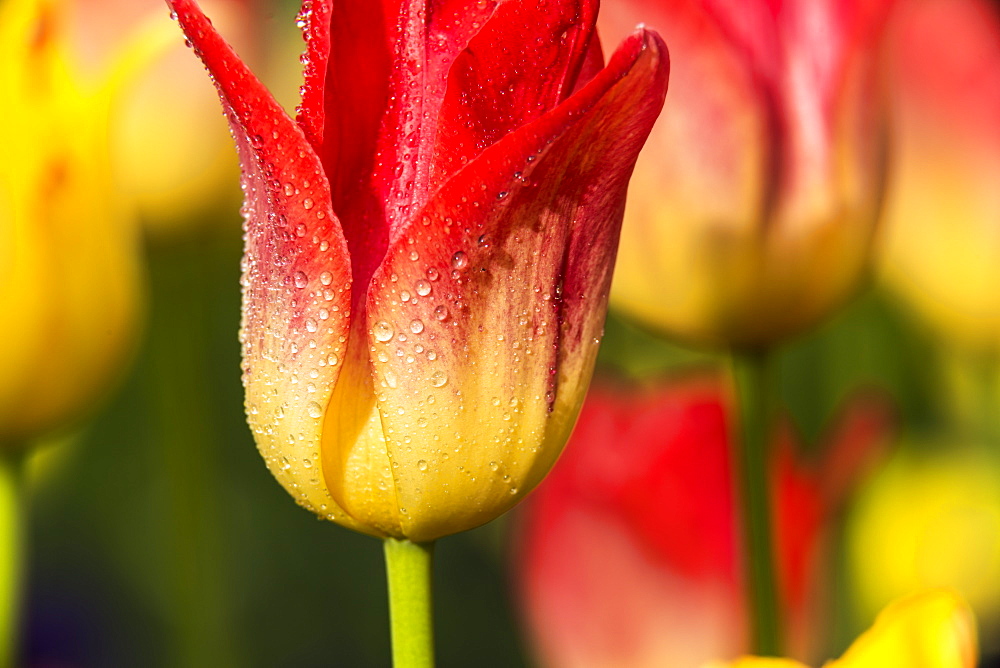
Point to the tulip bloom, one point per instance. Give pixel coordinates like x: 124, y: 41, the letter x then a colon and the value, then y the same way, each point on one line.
x: 626, y: 553
x: 69, y: 288
x: 750, y: 216
x: 429, y: 247
x: 935, y: 629
x: 941, y: 249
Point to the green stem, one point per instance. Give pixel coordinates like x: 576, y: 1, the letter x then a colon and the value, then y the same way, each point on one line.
x: 751, y: 477
x: 408, y: 567
x: 12, y: 532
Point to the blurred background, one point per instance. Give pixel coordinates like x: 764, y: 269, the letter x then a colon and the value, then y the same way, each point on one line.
x: 158, y: 538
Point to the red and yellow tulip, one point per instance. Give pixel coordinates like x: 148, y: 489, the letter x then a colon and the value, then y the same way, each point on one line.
x: 429, y: 247
x: 752, y: 210
x: 626, y: 553
x: 69, y: 288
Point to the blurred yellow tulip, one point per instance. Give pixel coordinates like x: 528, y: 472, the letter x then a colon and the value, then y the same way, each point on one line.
x: 934, y: 629
x: 752, y: 209
x: 942, y: 241
x: 68, y: 261
x: 929, y: 521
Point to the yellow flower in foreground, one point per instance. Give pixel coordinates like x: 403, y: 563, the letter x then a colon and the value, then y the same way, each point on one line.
x: 934, y: 629
x: 68, y: 262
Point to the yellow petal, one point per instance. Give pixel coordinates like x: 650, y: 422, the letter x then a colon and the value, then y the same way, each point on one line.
x: 930, y: 630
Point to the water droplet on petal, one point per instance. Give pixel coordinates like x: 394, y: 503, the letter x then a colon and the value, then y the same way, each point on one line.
x: 439, y: 378
x: 301, y: 280
x: 314, y: 410
x: 459, y: 260
x: 382, y: 331
x: 423, y: 288
x: 416, y: 326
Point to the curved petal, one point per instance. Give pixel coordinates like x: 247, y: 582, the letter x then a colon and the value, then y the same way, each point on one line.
x: 485, y: 316
x: 518, y: 67
x: 935, y: 629
x: 297, y: 274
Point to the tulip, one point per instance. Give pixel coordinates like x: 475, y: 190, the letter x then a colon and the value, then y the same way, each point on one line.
x: 942, y: 214
x: 427, y: 258
x: 69, y: 285
x: 751, y: 215
x: 626, y: 554
x: 429, y: 249
x: 69, y: 288
x: 934, y: 629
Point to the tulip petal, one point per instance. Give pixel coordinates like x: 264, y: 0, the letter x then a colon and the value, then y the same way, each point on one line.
x: 347, y: 67
x: 374, y: 80
x: 297, y: 274
x: 934, y: 629
x: 518, y: 67
x: 484, y: 317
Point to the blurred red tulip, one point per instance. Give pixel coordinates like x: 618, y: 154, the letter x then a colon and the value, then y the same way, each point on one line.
x: 626, y: 553
x: 752, y: 210
x: 429, y: 247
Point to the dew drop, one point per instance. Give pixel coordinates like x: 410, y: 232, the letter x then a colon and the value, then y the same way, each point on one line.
x: 382, y: 331
x: 439, y: 378
x: 301, y: 280
x: 459, y: 260
x: 441, y: 313
x: 433, y: 274
x: 314, y: 410
x: 416, y: 326
x: 423, y: 288
x: 422, y: 465
x: 307, y: 203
